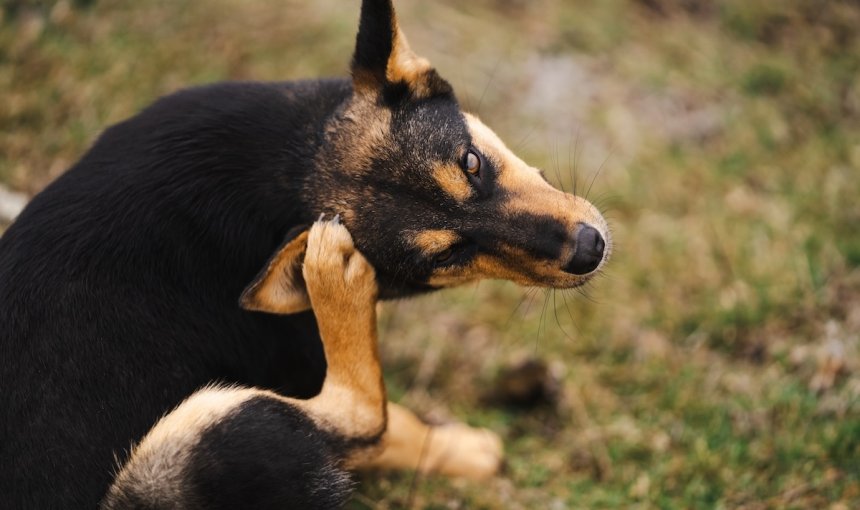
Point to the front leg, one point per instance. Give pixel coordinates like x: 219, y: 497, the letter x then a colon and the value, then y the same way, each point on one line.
x: 342, y: 288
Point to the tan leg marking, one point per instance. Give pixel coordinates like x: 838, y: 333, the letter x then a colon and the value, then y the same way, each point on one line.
x: 342, y: 288
x: 454, y: 450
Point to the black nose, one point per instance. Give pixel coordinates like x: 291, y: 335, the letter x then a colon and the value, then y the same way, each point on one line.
x: 589, y: 251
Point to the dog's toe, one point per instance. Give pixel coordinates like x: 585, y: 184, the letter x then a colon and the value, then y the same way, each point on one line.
x: 335, y: 272
x: 467, y: 452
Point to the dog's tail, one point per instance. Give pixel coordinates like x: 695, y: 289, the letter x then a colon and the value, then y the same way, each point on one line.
x: 228, y: 447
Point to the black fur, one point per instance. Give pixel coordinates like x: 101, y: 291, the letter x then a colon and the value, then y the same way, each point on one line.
x: 375, y: 40
x: 267, y: 455
x: 119, y: 282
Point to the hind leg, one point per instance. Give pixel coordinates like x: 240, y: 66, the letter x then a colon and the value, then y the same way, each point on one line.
x: 453, y: 450
x: 251, y: 448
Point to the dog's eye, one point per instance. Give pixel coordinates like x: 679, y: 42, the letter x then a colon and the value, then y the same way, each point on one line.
x: 472, y: 163
x: 444, y: 257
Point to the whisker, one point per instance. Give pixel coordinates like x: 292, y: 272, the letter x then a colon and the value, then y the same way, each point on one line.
x: 467, y: 97
x: 558, y: 322
x: 532, y: 293
x: 567, y: 307
x: 609, y: 153
x: 606, y: 201
x: 540, y: 321
x: 528, y: 294
x: 558, y: 168
x: 584, y: 293
x: 475, y: 290
x: 516, y: 147
x: 575, y: 158
x: 489, y: 81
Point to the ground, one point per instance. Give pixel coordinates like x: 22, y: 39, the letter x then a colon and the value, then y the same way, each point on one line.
x: 717, y: 363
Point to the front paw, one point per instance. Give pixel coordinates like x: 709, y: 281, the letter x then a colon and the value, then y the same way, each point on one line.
x: 338, y: 277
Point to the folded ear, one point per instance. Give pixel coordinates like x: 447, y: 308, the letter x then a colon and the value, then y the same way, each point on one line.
x: 383, y: 61
x: 279, y: 287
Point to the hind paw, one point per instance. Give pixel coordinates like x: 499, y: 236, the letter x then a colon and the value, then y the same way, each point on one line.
x: 467, y: 452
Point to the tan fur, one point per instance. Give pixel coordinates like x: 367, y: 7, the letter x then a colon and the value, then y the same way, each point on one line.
x: 433, y: 241
x: 453, y: 181
x: 404, y: 65
x: 356, y: 135
x: 280, y: 288
x: 528, y: 271
x: 451, y: 450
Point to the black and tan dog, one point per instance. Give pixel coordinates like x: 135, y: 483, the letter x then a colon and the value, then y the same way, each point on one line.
x: 119, y: 287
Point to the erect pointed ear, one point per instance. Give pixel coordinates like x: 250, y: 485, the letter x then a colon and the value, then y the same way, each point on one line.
x: 383, y: 61
x: 279, y: 287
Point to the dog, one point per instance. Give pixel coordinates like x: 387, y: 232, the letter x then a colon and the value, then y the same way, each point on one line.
x: 119, y: 282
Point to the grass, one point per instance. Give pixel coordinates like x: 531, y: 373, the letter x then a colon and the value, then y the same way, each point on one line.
x: 715, y: 365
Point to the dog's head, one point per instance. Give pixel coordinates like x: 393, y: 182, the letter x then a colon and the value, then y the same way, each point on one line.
x: 432, y: 197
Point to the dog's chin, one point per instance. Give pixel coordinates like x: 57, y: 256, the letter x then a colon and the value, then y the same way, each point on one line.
x: 403, y: 290
x: 562, y: 281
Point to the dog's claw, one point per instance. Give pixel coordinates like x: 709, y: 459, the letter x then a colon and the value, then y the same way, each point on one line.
x: 322, y: 217
x: 336, y: 219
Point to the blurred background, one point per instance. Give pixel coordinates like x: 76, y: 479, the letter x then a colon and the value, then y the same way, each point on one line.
x: 715, y: 365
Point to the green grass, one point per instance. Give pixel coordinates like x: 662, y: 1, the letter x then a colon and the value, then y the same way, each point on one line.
x: 724, y: 144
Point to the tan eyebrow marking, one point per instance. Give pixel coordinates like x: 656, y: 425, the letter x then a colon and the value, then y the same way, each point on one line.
x: 452, y: 180
x: 434, y: 241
